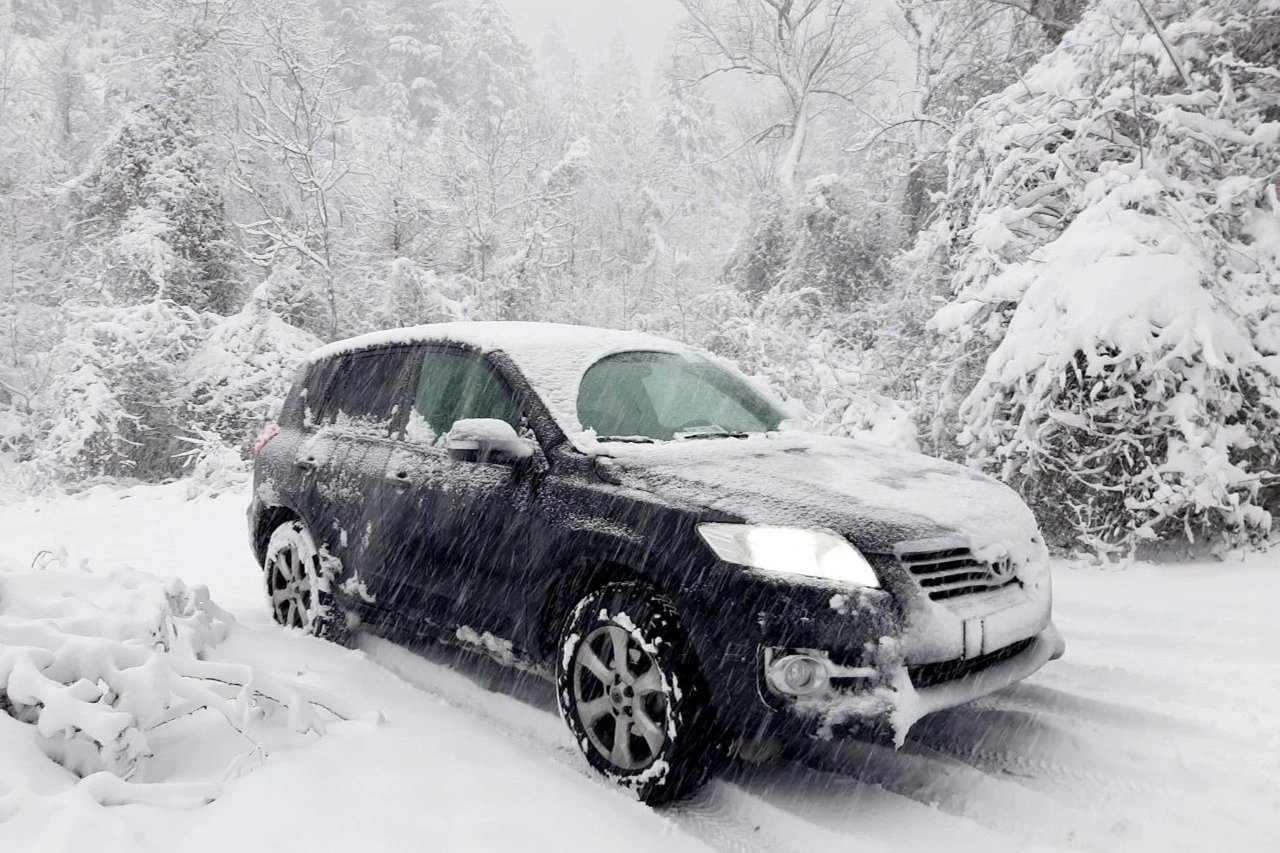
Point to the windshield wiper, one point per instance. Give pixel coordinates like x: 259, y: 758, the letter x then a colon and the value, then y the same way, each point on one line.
x: 711, y: 433
x: 627, y: 439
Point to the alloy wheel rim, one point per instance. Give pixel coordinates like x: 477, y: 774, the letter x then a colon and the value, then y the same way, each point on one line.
x: 290, y: 588
x: 619, y: 698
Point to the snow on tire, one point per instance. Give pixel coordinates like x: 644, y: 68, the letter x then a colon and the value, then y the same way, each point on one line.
x: 631, y: 693
x: 299, y: 589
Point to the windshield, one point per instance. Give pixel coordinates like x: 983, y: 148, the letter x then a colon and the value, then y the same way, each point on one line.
x: 658, y: 396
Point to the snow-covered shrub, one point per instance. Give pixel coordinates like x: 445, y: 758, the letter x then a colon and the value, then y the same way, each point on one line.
x: 95, y: 661
x: 1110, y: 242
x: 295, y: 297
x: 78, y: 659
x: 412, y: 295
x: 237, y: 379
x: 836, y: 240
x: 115, y: 406
x: 832, y: 385
x: 811, y: 296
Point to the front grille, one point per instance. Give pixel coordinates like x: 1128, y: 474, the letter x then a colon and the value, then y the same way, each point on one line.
x: 949, y: 572
x: 929, y: 674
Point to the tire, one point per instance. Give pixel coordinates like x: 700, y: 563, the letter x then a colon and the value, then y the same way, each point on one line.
x: 298, y: 589
x: 646, y: 724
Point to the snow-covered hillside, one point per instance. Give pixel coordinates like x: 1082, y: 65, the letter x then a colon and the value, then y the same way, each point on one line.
x: 1158, y: 731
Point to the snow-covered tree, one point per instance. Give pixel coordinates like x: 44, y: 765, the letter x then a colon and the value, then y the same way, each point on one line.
x: 499, y: 70
x: 689, y: 128
x: 292, y: 167
x: 964, y: 50
x: 810, y: 52
x: 152, y: 198
x: 490, y: 159
x: 115, y: 405
x: 236, y: 379
x: 1109, y: 246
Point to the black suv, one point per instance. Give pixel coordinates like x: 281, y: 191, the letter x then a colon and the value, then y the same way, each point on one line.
x: 633, y: 518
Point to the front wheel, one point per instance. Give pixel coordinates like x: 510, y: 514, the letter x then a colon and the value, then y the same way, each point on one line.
x: 298, y: 591
x: 631, y: 693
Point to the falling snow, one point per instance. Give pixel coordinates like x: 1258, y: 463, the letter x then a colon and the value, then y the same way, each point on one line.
x: 1159, y: 732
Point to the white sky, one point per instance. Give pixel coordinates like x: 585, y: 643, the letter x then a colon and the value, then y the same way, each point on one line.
x: 647, y: 26
x: 592, y: 24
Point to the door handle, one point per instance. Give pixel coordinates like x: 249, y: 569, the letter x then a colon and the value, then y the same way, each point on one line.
x: 401, y: 480
x: 308, y: 464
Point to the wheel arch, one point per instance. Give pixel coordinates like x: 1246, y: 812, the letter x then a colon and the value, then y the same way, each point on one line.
x: 584, y: 575
x: 268, y: 520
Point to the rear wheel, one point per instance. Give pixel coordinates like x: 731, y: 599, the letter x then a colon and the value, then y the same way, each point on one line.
x: 630, y: 691
x: 298, y: 592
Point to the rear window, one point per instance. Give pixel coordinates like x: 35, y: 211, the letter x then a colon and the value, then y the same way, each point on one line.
x: 368, y: 391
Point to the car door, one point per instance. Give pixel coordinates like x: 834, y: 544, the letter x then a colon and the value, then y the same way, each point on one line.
x: 455, y: 551
x: 364, y: 410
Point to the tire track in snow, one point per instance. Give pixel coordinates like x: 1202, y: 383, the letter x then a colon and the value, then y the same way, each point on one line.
x: 1005, y: 805
x: 722, y: 818
x: 1034, y: 765
x: 762, y: 810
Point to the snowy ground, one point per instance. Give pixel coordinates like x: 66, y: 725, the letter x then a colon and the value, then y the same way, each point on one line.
x: 1159, y: 731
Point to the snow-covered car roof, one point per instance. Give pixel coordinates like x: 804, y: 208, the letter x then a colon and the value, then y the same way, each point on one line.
x: 552, y: 356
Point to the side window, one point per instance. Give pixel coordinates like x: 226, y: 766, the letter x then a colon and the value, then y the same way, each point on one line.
x: 310, y: 390
x: 367, y: 391
x: 453, y: 386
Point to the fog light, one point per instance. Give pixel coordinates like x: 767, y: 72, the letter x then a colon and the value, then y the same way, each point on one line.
x: 800, y: 674
x: 797, y: 674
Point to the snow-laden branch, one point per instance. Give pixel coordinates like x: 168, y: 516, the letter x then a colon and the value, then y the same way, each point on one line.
x: 811, y: 50
x: 95, y: 662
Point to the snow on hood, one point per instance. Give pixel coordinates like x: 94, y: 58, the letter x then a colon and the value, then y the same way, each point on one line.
x: 877, y: 496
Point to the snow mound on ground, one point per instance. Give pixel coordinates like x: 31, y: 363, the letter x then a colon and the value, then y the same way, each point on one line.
x: 93, y: 662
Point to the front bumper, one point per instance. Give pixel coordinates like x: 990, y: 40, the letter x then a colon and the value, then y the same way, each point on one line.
x: 1046, y: 646
x: 893, y: 655
x: 897, y: 703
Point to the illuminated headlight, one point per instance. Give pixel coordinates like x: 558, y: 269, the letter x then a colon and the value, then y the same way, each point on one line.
x: 789, y: 550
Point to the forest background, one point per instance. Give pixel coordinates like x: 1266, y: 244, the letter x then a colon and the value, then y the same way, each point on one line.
x: 1050, y: 250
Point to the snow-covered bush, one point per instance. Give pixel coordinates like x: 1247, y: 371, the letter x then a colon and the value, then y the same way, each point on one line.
x: 115, y: 405
x: 412, y: 295
x: 95, y: 661
x: 156, y: 390
x: 293, y: 296
x: 1110, y: 242
x: 809, y: 307
x: 836, y: 239
x: 832, y: 385
x: 237, y: 378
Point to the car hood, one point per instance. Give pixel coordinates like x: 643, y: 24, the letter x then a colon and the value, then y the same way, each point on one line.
x: 876, y: 496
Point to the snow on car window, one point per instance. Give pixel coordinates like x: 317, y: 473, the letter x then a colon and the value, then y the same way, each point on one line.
x: 665, y: 395
x: 553, y: 357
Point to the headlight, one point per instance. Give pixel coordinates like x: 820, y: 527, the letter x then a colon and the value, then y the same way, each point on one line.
x: 789, y: 550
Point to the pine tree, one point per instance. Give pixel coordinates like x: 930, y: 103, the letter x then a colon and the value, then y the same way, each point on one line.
x: 499, y: 71
x: 491, y: 159
x: 153, y: 202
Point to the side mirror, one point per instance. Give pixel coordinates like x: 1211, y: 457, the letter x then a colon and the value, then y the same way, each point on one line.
x: 487, y: 440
